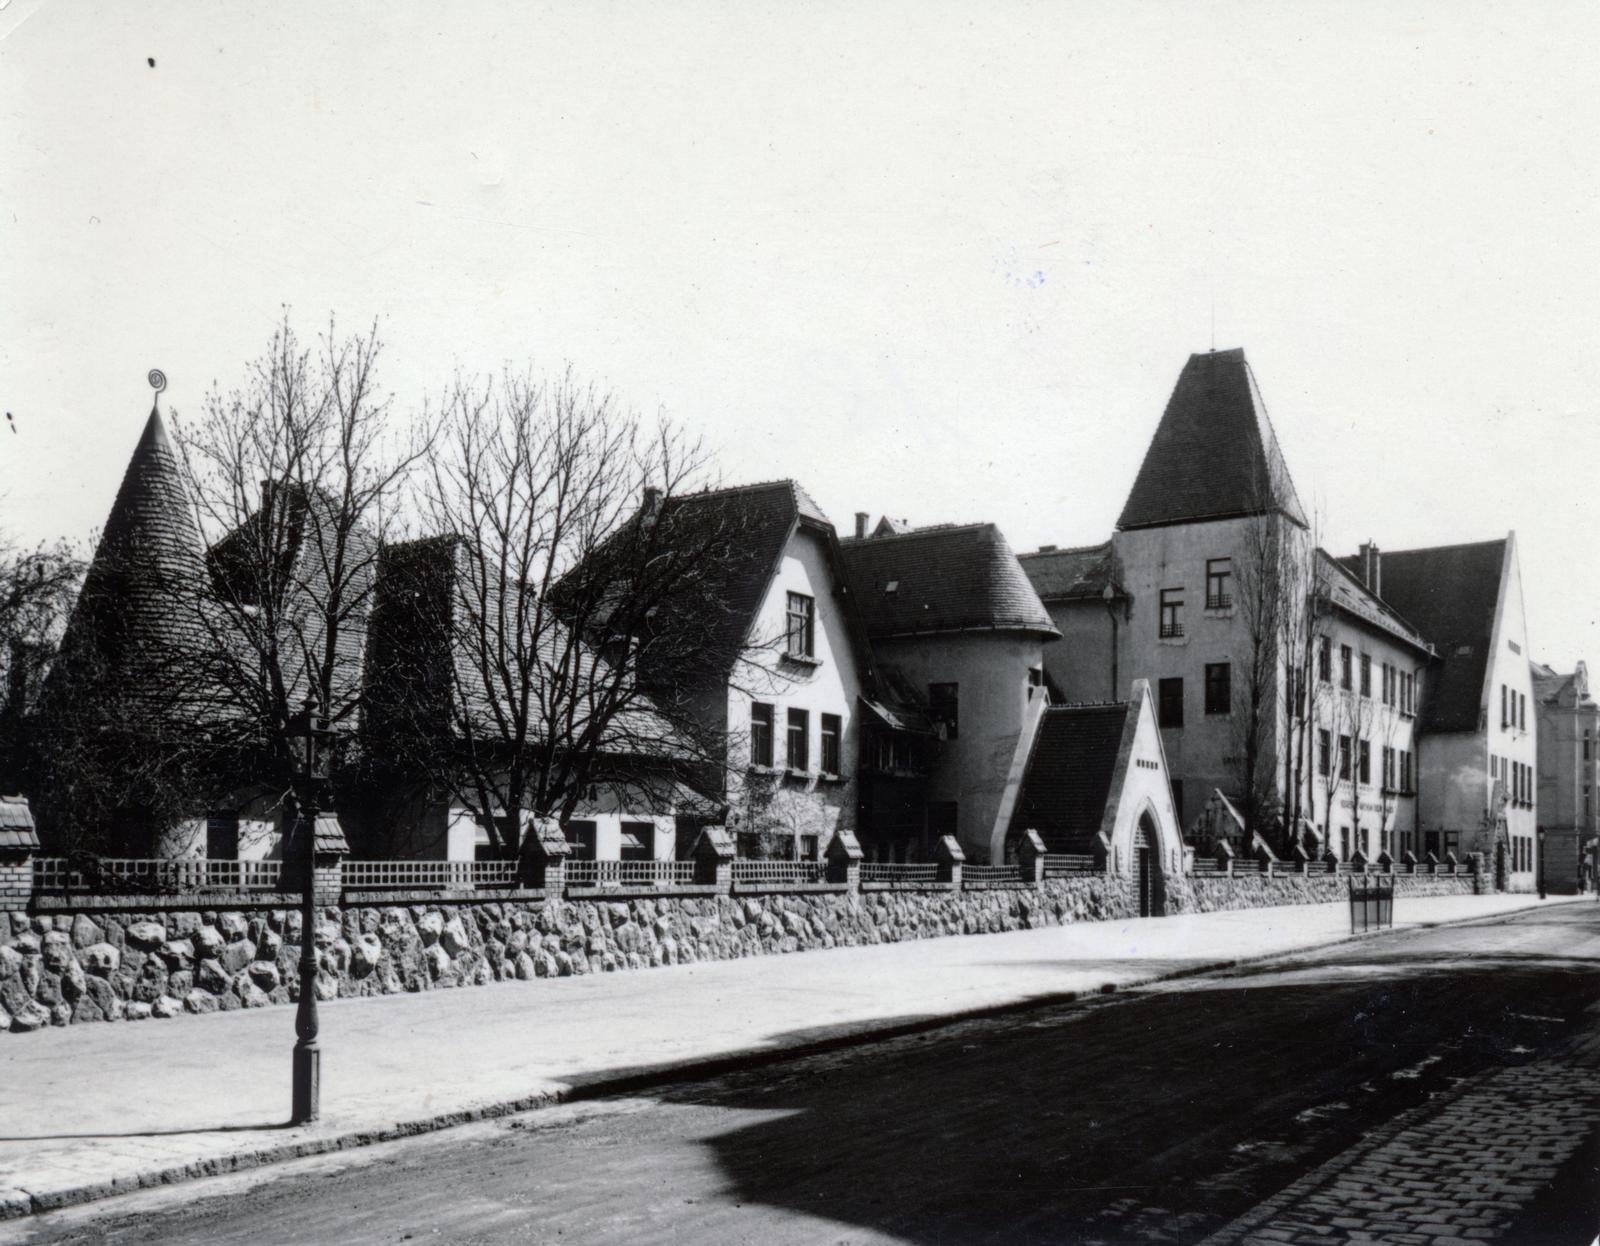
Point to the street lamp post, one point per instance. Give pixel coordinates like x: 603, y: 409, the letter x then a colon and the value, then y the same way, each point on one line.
x: 308, y: 730
x: 1541, y: 863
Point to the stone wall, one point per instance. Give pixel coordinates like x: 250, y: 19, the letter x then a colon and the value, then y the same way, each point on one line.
x: 1257, y: 891
x: 103, y: 965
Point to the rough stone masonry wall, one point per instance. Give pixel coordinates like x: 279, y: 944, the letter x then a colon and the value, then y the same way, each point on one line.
x: 75, y: 967
x: 69, y: 968
x: 1257, y: 891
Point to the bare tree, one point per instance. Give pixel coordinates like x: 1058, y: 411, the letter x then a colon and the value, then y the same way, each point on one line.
x: 293, y: 480
x: 550, y: 635
x: 1350, y: 723
x: 1303, y: 607
x: 37, y: 588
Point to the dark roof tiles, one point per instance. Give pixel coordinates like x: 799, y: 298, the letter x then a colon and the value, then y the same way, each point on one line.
x: 943, y: 579
x: 1214, y: 454
x: 1068, y: 778
x: 1082, y: 572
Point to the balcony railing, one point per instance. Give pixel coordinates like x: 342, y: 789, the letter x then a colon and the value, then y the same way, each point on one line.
x: 1171, y: 631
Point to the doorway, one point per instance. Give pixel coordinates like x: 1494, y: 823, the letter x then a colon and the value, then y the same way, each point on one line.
x: 1147, y: 877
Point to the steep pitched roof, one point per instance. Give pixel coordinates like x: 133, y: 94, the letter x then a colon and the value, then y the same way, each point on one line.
x: 1449, y: 594
x: 1214, y: 454
x: 137, y: 601
x: 1068, y: 778
x: 1080, y: 573
x: 1350, y: 595
x: 943, y: 579
x: 16, y: 823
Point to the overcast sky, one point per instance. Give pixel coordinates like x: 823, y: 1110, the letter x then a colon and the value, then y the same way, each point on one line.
x: 943, y: 261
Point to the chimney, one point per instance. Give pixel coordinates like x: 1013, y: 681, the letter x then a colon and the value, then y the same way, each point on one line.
x: 1372, y: 568
x: 1047, y: 549
x: 861, y: 525
x: 652, y: 501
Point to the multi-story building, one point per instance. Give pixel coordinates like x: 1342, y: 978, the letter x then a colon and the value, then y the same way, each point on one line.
x: 1569, y: 772
x: 1477, y: 790
x: 954, y: 623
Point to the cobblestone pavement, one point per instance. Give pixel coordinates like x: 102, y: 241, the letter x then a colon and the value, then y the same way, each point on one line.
x: 1467, y: 1168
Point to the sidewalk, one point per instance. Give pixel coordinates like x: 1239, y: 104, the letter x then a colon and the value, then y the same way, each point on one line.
x: 101, y: 1109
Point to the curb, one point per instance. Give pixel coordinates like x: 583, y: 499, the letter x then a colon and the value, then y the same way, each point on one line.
x: 19, y: 1202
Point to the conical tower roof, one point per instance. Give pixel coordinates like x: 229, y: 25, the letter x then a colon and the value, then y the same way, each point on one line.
x: 1214, y: 455
x: 137, y: 606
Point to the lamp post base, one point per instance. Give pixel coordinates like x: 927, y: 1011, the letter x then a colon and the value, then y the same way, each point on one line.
x: 307, y: 1084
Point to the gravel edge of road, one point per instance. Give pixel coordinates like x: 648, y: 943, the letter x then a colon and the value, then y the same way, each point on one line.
x: 23, y: 1202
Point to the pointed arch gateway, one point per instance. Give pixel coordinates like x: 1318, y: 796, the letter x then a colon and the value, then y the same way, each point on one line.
x: 1149, y: 879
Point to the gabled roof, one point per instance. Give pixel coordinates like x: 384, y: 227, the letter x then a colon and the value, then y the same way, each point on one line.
x: 1214, y: 454
x: 16, y: 824
x: 1348, y: 594
x: 1078, y: 574
x: 137, y: 602
x: 761, y: 517
x: 1449, y: 594
x: 949, y: 578
x: 1069, y: 773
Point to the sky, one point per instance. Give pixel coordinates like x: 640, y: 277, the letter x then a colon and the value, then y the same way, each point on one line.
x: 942, y: 261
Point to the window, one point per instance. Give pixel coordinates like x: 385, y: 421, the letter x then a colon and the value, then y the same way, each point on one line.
x: 1324, y: 751
x: 1366, y: 674
x: 830, y: 744
x: 1171, y: 612
x: 1586, y: 805
x: 1388, y: 684
x: 1405, y: 771
x: 638, y: 841
x: 1344, y: 843
x: 1219, y: 583
x: 1365, y: 770
x: 1344, y: 757
x: 222, y: 837
x: 760, y: 734
x: 1219, y: 688
x: 581, y: 835
x: 1388, y: 768
x: 799, y: 741
x: 1586, y: 744
x: 1170, y: 703
x: 802, y: 633
x: 1505, y: 719
x: 944, y: 707
x: 1345, y: 666
x: 1325, y: 659
x: 1522, y: 710
x: 1036, y: 677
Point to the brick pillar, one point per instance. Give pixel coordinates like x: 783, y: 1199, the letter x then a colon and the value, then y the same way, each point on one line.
x: 1030, y: 857
x: 713, y: 859
x: 947, y: 852
x: 329, y: 848
x: 542, y: 856
x: 19, y: 840
x: 844, y: 859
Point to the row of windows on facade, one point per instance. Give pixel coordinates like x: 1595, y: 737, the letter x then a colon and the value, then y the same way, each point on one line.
x: 1518, y: 778
x: 1399, y: 687
x: 1219, y: 695
x: 797, y: 741
x: 1513, y: 710
x: 1398, y: 770
x: 1219, y: 596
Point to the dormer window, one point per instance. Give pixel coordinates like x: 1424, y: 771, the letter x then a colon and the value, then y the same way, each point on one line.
x: 893, y: 586
x: 801, y: 632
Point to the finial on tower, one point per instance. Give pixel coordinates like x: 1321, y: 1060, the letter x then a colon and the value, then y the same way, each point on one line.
x: 158, y: 382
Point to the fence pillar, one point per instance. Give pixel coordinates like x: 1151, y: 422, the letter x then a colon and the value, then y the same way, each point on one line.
x: 19, y: 840
x: 542, y: 856
x: 1030, y: 857
x: 947, y: 853
x: 1301, y: 859
x: 844, y: 859
x: 1409, y: 860
x: 1432, y: 863
x: 1358, y: 862
x: 1225, y: 858
x: 713, y: 859
x: 1385, y: 862
x: 1450, y: 860
x: 1105, y: 860
x: 328, y: 851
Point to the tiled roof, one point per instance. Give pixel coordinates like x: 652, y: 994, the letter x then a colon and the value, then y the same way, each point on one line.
x: 16, y: 823
x: 1070, y: 574
x: 1448, y: 594
x: 1353, y: 597
x: 943, y: 579
x: 1068, y: 779
x: 1214, y: 454
x: 136, y: 610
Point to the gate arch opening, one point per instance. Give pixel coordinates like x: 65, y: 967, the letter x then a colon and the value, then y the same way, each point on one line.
x: 1149, y: 881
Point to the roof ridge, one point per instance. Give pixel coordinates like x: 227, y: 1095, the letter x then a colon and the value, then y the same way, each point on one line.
x: 1429, y: 549
x: 938, y: 529
x: 788, y: 482
x: 1065, y: 549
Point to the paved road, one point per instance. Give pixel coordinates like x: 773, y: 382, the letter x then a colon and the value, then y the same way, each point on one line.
x: 1162, y: 1116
